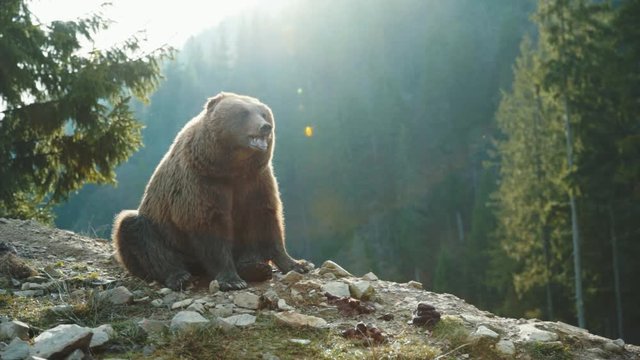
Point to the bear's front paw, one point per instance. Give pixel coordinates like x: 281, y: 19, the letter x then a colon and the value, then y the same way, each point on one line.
x: 230, y: 281
x: 178, y: 280
x: 302, y: 266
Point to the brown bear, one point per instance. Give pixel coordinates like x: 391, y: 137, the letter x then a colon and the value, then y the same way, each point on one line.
x: 212, y: 207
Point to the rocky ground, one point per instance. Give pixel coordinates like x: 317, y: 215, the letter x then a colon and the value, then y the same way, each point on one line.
x: 62, y: 296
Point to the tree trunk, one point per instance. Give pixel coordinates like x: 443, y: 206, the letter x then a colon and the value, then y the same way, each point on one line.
x: 616, y: 272
x: 577, y: 263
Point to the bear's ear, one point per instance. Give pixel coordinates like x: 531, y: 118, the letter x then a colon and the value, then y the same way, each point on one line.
x: 213, y: 101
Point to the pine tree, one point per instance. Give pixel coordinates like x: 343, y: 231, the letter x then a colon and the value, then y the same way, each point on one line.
x: 66, y: 118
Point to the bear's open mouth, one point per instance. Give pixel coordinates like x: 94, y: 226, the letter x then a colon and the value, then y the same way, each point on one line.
x: 258, y: 142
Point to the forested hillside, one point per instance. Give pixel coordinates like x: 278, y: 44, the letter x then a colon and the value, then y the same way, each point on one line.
x: 428, y: 159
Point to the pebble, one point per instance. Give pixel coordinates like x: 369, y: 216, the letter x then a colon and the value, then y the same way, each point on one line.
x: 370, y: 277
x: 336, y: 288
x: 181, y: 304
x: 247, y: 300
x: 295, y: 319
x: 187, y: 320
x: 506, y: 347
x: 291, y: 277
x: 331, y: 267
x: 241, y: 320
x: 214, y: 287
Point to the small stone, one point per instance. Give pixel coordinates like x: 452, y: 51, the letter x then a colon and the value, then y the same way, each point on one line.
x: 214, y: 287
x: 61, y: 309
x: 336, y: 288
x: 141, y: 300
x: 165, y: 291
x: 187, y: 320
x: 222, y: 310
x: 529, y: 332
x: 116, y: 296
x: 153, y: 327
x: 484, y: 332
x: 16, y: 350
x: 28, y: 293
x: 619, y: 342
x: 611, y: 346
x: 332, y: 267
x: 329, y: 276
x: 269, y: 356
x: 32, y: 286
x: 197, y: 307
x: 181, y: 304
x: 506, y: 347
x: 239, y: 310
x: 101, y: 335
x: 247, y: 300
x: 148, y: 350
x: 282, y: 305
x: 298, y: 320
x: 370, y: 277
x: 300, y: 341
x: 361, y: 289
x: 415, y: 284
x: 269, y: 300
x: 14, y: 329
x: 292, y: 277
x: 61, y: 340
x: 157, y: 303
x: 241, y: 320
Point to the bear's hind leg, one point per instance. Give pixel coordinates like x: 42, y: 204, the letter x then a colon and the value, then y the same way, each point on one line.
x: 144, y: 252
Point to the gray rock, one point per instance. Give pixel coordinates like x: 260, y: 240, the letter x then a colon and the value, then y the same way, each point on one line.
x: 291, y: 277
x: 197, y: 307
x: 16, y: 350
x: 331, y: 267
x: 529, y: 332
x: 300, y: 341
x: 214, y: 287
x: 61, y: 341
x: 295, y: 319
x: 153, y: 327
x: 28, y: 293
x: 116, y: 296
x: 101, y: 335
x: 240, y: 320
x: 222, y: 310
x: 611, y: 346
x: 619, y: 342
x: 187, y: 320
x: 484, y: 332
x: 14, y: 329
x: 164, y: 291
x: 247, y: 300
x: 361, y: 289
x: 239, y: 310
x: 157, y: 302
x: 370, y: 277
x: 61, y: 309
x: 336, y: 288
x: 415, y: 284
x: 282, y: 305
x: 269, y: 356
x: 32, y: 286
x: 329, y: 276
x: 506, y: 347
x: 181, y: 304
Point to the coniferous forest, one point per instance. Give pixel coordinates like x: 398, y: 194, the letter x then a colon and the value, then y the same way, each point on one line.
x: 488, y: 149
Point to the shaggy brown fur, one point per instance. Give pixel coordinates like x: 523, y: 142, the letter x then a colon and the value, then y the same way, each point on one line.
x: 212, y: 206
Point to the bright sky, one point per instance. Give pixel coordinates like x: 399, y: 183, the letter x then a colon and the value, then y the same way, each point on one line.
x: 165, y: 22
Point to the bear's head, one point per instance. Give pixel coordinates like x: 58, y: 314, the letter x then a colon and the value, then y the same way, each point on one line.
x: 243, y: 123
